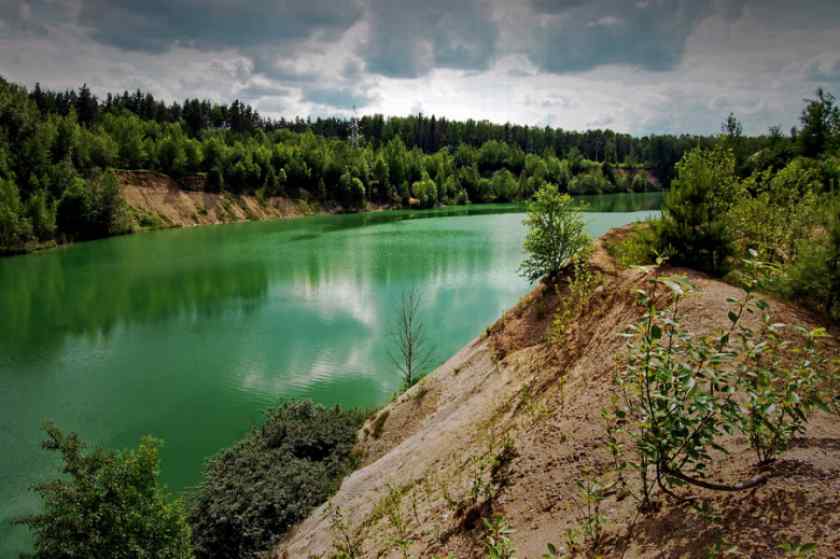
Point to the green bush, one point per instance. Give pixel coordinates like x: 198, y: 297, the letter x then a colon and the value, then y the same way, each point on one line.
x: 426, y: 192
x: 694, y: 227
x: 593, y: 182
x: 352, y: 191
x: 14, y: 228
x: 89, y: 210
x: 257, y: 489
x: 109, y: 504
x: 556, y: 234
x: 41, y: 212
x: 682, y: 394
x: 639, y: 247
x: 814, y: 277
x: 505, y: 186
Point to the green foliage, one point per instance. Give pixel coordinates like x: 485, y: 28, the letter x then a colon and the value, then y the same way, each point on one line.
x: 41, y: 213
x: 89, y: 210
x: 556, y: 234
x: 352, y: 191
x: 773, y: 212
x: 108, y: 504
x: 639, y: 183
x: 497, y: 538
x: 820, y: 125
x: 814, y: 276
x: 582, y: 284
x: 694, y: 230
x: 799, y: 550
x: 592, y: 493
x: 593, y: 182
x: 14, y: 227
x: 681, y: 393
x: 640, y: 247
x: 505, y: 187
x: 256, y: 490
x: 426, y: 192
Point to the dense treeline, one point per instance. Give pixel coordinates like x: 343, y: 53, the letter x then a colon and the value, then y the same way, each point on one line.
x: 430, y: 134
x: 782, y: 215
x: 56, y: 150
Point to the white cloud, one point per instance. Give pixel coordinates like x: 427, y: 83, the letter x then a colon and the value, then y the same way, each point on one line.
x: 756, y: 59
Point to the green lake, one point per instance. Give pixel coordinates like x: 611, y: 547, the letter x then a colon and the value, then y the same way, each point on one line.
x: 190, y: 334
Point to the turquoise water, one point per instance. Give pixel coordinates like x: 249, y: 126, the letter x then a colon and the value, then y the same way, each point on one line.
x: 190, y: 334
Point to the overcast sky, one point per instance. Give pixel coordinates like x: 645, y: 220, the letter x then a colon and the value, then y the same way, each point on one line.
x: 635, y: 66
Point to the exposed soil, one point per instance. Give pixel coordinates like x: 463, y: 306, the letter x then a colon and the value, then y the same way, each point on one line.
x: 424, y: 462
x: 157, y: 200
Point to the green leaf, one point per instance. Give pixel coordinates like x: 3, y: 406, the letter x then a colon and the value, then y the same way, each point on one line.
x: 655, y: 332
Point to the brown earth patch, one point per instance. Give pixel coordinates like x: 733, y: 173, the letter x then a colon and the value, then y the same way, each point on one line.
x: 542, y: 395
x: 157, y: 200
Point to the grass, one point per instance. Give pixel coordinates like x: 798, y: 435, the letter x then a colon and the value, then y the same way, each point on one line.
x: 637, y: 247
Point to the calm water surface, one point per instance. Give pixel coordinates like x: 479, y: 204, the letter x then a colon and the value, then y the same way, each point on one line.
x: 190, y: 334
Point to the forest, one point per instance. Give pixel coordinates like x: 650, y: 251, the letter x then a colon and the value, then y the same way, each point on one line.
x: 776, y: 210
x: 57, y: 148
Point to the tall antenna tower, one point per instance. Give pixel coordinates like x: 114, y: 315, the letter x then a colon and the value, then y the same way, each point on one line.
x: 355, y: 134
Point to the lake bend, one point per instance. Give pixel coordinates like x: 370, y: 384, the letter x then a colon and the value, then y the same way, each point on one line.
x: 190, y: 334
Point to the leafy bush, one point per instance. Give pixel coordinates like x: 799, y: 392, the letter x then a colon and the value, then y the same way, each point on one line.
x: 89, y: 210
x: 640, y: 182
x: 681, y: 393
x: 639, y: 247
x: 593, y: 182
x: 111, y: 505
x: 425, y: 191
x: 814, y: 277
x: 694, y: 228
x: 257, y: 489
x: 556, y: 234
x: 14, y: 228
x: 505, y: 186
x: 41, y: 212
x: 352, y: 191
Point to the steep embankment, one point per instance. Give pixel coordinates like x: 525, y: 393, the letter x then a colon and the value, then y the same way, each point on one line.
x: 157, y: 200
x: 534, y: 406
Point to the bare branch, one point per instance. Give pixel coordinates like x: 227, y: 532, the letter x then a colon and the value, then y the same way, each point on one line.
x: 410, y: 352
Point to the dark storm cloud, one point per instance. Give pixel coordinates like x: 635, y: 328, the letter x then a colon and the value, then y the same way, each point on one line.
x: 409, y: 39
x: 158, y: 25
x: 579, y: 36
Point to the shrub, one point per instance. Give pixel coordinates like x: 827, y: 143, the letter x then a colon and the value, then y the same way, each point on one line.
x: 639, y: 247
x: 89, y: 210
x: 257, y: 489
x: 505, y: 186
x: 640, y: 182
x: 426, y: 192
x: 14, y: 228
x: 109, y: 505
x: 352, y: 191
x: 556, y: 234
x: 814, y: 276
x: 41, y: 212
x: 681, y: 393
x: 593, y: 182
x: 694, y: 227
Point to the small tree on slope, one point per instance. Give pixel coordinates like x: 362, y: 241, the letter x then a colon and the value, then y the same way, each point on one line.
x: 556, y: 234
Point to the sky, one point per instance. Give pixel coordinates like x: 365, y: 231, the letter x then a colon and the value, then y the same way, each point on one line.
x: 636, y: 66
